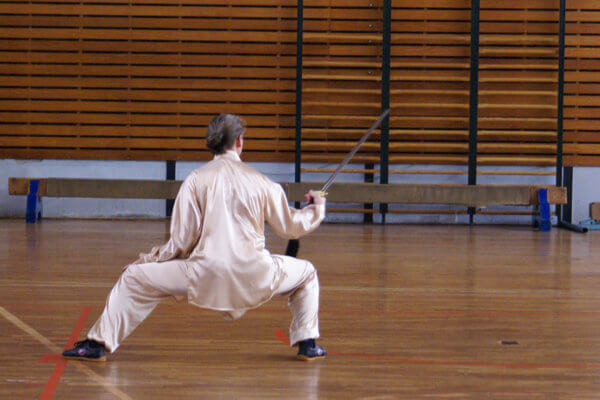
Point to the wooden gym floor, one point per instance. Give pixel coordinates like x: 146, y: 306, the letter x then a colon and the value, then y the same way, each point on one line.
x: 415, y: 312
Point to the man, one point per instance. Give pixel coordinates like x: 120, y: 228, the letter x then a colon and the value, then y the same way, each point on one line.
x: 216, y: 254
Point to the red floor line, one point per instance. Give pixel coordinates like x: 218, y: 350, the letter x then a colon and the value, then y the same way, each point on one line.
x: 85, y: 313
x: 53, y: 381
x: 482, y: 313
x: 61, y: 363
x: 280, y: 335
x: 448, y: 312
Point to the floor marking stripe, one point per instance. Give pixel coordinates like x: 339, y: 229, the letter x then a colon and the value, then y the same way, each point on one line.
x: 54, y: 378
x: 85, y: 313
x: 29, y: 330
x: 280, y: 335
x: 24, y: 283
x: 55, y: 349
x: 445, y: 313
x: 54, y: 284
x: 60, y: 362
x: 458, y: 290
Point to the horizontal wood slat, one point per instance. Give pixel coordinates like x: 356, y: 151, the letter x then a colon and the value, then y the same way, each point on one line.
x: 458, y: 194
x: 427, y: 172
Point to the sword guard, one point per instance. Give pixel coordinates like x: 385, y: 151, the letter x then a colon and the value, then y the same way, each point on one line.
x: 321, y: 193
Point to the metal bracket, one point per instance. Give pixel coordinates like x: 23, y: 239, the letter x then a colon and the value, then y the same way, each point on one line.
x: 34, y: 203
x: 542, y: 221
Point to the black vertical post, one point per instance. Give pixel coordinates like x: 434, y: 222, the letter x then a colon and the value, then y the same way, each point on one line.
x: 567, y: 211
x: 385, y: 100
x: 299, y: 34
x: 473, y: 99
x: 369, y: 178
x: 560, y: 97
x: 170, y: 177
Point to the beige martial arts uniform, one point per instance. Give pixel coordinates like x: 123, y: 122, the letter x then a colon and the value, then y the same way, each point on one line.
x: 216, y: 255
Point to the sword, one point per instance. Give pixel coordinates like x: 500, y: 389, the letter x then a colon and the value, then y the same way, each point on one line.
x: 294, y: 244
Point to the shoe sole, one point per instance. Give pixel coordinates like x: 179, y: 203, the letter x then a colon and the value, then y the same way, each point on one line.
x: 100, y: 359
x: 309, y: 359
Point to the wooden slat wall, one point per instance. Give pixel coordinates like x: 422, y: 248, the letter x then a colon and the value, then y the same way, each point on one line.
x: 582, y: 84
x: 341, y: 94
x: 117, y: 79
x: 518, y: 82
x: 429, y: 92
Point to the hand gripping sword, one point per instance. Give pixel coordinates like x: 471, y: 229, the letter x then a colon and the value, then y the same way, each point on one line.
x: 294, y: 244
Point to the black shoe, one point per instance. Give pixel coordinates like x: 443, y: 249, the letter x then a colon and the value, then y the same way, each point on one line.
x: 308, y: 350
x: 86, y: 350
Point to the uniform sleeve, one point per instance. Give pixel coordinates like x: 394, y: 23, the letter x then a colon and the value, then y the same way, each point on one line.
x: 289, y: 222
x: 186, y: 227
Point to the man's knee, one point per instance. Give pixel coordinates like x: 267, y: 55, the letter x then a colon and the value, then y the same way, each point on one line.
x: 310, y: 272
x: 130, y: 272
x: 311, y: 276
x: 131, y: 277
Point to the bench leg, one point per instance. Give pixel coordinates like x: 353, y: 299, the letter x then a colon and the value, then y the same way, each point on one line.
x: 34, y: 203
x: 543, y: 220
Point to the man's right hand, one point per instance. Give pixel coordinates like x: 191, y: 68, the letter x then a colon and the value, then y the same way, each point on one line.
x: 315, y: 196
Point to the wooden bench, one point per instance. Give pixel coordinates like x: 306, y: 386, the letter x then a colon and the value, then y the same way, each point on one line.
x: 395, y: 193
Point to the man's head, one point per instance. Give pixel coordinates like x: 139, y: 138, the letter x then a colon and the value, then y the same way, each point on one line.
x: 224, y: 133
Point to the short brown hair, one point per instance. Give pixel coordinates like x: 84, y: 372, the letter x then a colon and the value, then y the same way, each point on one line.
x: 222, y: 132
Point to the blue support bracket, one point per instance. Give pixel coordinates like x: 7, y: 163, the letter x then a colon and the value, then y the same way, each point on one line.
x: 541, y: 219
x: 34, y: 203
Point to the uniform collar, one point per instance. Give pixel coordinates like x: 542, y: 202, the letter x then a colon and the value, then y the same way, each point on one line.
x: 229, y: 154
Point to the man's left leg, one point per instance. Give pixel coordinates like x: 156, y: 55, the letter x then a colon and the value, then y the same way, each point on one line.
x: 138, y: 291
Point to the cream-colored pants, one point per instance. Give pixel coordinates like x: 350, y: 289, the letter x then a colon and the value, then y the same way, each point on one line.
x: 141, y: 287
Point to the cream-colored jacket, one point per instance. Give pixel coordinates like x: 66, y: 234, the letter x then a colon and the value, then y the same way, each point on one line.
x: 217, y: 228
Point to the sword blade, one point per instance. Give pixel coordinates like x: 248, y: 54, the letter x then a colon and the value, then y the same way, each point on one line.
x: 354, y: 150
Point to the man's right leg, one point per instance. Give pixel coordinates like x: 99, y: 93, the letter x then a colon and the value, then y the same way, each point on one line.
x: 137, y: 292
x: 301, y: 285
